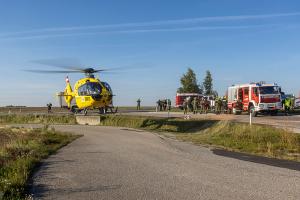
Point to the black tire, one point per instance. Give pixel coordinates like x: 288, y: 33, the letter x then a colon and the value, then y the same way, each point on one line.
x: 274, y: 113
x: 85, y: 112
x: 74, y: 109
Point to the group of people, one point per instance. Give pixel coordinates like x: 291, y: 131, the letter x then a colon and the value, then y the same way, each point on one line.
x: 163, y: 105
x: 203, y: 105
x: 196, y: 104
x: 221, y: 105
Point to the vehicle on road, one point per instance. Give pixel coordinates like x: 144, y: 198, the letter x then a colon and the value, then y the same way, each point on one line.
x: 297, y: 102
x: 254, y: 98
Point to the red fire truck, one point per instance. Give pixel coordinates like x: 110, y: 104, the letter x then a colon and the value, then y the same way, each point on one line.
x: 254, y: 98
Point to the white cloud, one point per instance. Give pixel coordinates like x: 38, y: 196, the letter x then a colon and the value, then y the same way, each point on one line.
x: 140, y: 27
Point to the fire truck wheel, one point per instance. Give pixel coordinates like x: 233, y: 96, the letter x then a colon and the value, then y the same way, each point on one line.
x: 252, y: 110
x: 235, y: 112
x: 274, y: 113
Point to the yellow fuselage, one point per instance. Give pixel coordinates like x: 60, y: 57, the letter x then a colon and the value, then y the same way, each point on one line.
x: 88, y: 93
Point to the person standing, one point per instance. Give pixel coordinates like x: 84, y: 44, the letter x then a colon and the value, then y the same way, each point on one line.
x: 189, y: 103
x: 138, y: 106
x: 287, y: 105
x: 185, y: 106
x: 195, y: 105
x: 158, y: 105
x: 49, y: 106
x: 169, y: 104
x: 201, y: 105
x: 219, y: 105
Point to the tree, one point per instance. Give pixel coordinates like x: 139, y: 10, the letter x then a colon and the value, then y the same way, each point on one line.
x: 207, y: 83
x: 189, y: 83
x: 215, y: 93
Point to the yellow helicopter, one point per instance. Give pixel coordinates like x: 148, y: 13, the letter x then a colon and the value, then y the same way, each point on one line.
x: 88, y: 93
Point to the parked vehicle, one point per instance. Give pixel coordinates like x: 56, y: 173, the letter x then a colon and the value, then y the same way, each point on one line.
x: 297, y: 102
x: 254, y: 98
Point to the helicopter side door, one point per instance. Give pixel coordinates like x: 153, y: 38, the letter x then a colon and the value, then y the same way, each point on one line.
x: 83, y: 100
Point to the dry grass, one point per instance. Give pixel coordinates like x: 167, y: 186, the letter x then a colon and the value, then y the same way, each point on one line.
x: 20, y: 151
x: 256, y: 139
x: 37, y: 119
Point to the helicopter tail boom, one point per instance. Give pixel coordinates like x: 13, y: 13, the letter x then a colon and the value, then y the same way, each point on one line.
x: 68, y: 94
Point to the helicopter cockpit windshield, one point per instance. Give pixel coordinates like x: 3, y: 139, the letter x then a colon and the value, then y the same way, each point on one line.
x: 90, y: 88
x: 107, y: 86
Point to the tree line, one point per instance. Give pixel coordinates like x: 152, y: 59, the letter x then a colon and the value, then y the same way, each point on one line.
x: 189, y: 84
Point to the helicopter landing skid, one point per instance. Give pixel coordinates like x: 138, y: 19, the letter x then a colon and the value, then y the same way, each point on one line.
x: 108, y: 110
x: 101, y: 111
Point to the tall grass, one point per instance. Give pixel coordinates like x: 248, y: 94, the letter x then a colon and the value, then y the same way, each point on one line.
x: 20, y: 151
x: 256, y: 139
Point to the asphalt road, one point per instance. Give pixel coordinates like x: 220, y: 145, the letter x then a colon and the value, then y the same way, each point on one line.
x: 116, y: 163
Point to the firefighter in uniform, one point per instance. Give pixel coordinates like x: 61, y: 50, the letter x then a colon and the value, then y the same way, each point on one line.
x: 201, y: 105
x: 219, y: 105
x: 195, y: 105
x: 185, y: 106
x: 287, y: 105
x: 225, y: 104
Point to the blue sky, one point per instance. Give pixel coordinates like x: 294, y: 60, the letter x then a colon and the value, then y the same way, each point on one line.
x: 238, y: 41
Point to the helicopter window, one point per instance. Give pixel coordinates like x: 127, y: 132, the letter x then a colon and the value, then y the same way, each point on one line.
x: 107, y: 86
x: 82, y: 90
x: 89, y: 88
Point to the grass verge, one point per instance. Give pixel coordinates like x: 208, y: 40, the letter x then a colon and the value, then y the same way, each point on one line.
x: 20, y: 151
x: 37, y: 119
x: 175, y: 125
x: 256, y: 139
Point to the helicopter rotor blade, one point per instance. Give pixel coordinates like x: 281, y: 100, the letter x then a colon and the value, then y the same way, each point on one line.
x: 52, y: 71
x: 121, y: 68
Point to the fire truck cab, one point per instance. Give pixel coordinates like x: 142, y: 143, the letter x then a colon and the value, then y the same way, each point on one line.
x: 254, y: 98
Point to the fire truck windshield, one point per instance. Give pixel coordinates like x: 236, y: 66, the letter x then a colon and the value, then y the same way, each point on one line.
x: 269, y: 90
